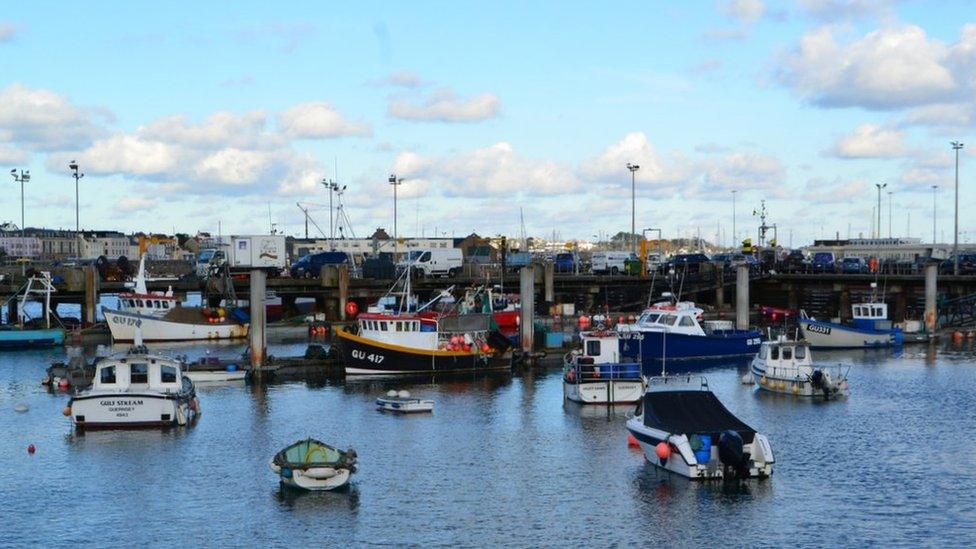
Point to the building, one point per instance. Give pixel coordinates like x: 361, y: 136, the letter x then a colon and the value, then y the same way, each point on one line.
x: 379, y: 242
x: 43, y: 244
x: 21, y: 246
x: 905, y: 250
x: 111, y: 244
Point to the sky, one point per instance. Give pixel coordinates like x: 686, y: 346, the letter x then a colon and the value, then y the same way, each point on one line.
x: 186, y: 116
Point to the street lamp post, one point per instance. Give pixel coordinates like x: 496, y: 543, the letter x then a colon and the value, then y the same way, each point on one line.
x: 733, y: 218
x: 878, y: 229
x: 73, y: 166
x: 889, y: 214
x: 396, y: 182
x: 633, y: 205
x: 332, y: 186
x: 934, y: 187
x: 956, y: 145
x: 21, y: 178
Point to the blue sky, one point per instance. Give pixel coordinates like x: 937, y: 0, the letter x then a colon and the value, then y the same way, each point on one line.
x: 185, y: 114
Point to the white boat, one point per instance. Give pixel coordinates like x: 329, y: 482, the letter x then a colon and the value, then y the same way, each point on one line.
x: 141, y: 300
x: 401, y: 402
x: 869, y: 327
x: 682, y: 427
x: 313, y: 465
x: 786, y: 366
x: 596, y: 375
x: 135, y: 389
x: 214, y: 370
x: 180, y: 324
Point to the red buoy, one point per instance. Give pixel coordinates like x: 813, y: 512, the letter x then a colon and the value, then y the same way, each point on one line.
x: 31, y: 449
x: 352, y: 309
x: 584, y: 322
x: 63, y: 384
x: 631, y: 441
x: 662, y: 450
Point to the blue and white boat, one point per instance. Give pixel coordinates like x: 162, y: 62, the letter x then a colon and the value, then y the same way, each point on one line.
x: 596, y: 375
x: 689, y: 337
x: 869, y: 327
x: 29, y: 333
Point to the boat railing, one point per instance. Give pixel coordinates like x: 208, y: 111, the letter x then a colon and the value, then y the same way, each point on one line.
x: 607, y: 371
x: 665, y: 381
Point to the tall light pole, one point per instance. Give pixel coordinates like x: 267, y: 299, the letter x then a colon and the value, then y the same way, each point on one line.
x: 332, y: 186
x: 21, y: 178
x: 878, y: 229
x: 934, y: 187
x: 889, y: 214
x: 956, y: 145
x: 733, y: 219
x: 73, y: 166
x: 396, y: 182
x: 633, y: 205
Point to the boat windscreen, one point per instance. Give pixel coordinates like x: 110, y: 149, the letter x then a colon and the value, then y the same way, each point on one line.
x: 692, y: 412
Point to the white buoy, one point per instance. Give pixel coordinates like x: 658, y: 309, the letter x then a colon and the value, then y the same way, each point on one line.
x: 404, y: 394
x: 21, y: 407
x: 391, y: 393
x: 747, y: 379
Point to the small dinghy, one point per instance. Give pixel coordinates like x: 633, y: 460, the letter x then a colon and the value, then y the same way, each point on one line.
x: 312, y: 465
x: 401, y: 402
x: 786, y: 366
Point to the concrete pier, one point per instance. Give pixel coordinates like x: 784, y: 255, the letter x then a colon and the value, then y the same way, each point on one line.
x: 550, y: 274
x: 90, y: 302
x: 931, y: 295
x: 256, y: 332
x: 719, y: 286
x: 742, y: 297
x: 343, y: 290
x: 527, y: 313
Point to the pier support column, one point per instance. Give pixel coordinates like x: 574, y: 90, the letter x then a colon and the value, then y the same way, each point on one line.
x: 931, y: 294
x: 257, y: 330
x: 527, y: 313
x: 719, y: 285
x: 90, y: 301
x: 742, y: 297
x: 343, y: 290
x: 550, y: 270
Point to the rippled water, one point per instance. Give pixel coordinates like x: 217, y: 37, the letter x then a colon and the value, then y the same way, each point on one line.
x: 503, y: 460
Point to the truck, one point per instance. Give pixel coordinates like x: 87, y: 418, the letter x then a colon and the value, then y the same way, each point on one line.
x: 611, y: 262
x: 433, y: 262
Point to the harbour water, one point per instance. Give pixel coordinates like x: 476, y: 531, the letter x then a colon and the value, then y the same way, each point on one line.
x: 502, y: 460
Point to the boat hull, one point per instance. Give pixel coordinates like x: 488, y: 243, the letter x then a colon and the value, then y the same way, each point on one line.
x: 409, y: 406
x: 830, y: 335
x: 130, y: 410
x: 123, y: 326
x: 797, y: 385
x: 362, y: 356
x: 652, y: 346
x: 14, y: 339
x: 603, y: 392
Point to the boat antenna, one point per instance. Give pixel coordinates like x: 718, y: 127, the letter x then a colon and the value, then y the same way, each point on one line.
x: 650, y: 294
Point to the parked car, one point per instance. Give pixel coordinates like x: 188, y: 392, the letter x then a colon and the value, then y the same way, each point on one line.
x: 310, y: 266
x: 795, y: 261
x: 687, y: 263
x: 967, y: 264
x: 823, y: 262
x: 434, y: 262
x: 854, y: 265
x: 516, y: 260
x: 565, y: 262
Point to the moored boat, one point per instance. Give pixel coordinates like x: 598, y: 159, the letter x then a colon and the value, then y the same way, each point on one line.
x: 179, y: 324
x: 401, y: 402
x: 596, y: 375
x: 786, y: 366
x: 29, y: 333
x: 684, y: 428
x: 135, y: 389
x: 312, y: 465
x: 869, y: 327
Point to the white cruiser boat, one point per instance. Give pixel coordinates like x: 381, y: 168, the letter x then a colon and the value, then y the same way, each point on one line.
x: 135, y: 389
x: 401, y: 402
x: 596, y: 375
x: 682, y: 427
x: 786, y: 366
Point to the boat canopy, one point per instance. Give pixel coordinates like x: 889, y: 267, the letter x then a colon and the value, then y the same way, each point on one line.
x: 692, y: 412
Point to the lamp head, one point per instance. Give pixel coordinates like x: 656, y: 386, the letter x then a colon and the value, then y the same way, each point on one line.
x: 73, y: 166
x: 393, y: 178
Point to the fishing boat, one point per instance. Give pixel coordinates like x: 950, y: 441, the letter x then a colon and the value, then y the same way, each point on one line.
x: 682, y: 427
x: 869, y: 327
x: 396, y: 338
x: 596, y: 374
x: 312, y: 465
x: 28, y: 333
x: 689, y: 337
x: 786, y: 366
x: 401, y: 402
x: 140, y: 300
x: 179, y: 324
x: 135, y: 389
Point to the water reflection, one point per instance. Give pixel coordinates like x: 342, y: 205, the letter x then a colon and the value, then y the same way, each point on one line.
x: 304, y: 501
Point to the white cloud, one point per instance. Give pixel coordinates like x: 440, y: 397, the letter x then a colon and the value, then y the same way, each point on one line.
x: 40, y: 119
x: 923, y: 172
x: 122, y: 154
x: 871, y: 141
x: 889, y: 68
x: 493, y: 170
x: 400, y: 79
x: 746, y: 12
x: 443, y: 105
x: 656, y: 170
x: 135, y: 204
x: 12, y: 155
x: 318, y: 120
x: 7, y: 31
x: 840, y: 10
x: 743, y: 171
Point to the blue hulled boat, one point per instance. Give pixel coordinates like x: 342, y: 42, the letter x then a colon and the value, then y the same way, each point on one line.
x: 27, y: 333
x: 676, y: 332
x: 869, y: 327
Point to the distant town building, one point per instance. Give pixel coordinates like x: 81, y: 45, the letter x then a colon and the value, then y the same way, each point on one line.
x: 897, y: 249
x: 111, y: 244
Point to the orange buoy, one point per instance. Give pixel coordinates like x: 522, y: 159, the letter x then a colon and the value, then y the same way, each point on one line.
x: 352, y: 309
x: 485, y: 348
x: 662, y: 450
x: 632, y: 442
x: 957, y: 337
x: 584, y: 322
x: 66, y: 411
x: 63, y: 384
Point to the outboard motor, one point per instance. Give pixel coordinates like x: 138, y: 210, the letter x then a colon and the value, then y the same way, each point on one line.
x: 732, y: 454
x: 820, y: 380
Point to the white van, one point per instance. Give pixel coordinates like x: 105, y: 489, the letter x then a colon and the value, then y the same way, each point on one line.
x: 609, y: 262
x: 434, y: 261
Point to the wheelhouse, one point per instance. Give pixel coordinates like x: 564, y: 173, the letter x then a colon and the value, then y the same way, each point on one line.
x: 138, y: 373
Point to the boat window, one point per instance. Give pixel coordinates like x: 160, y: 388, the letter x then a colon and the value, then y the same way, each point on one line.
x: 801, y: 353
x: 107, y: 375
x: 787, y: 353
x: 686, y: 321
x: 167, y: 374
x: 383, y: 326
x: 132, y: 303
x: 139, y: 373
x: 774, y: 354
x: 877, y: 311
x: 857, y: 311
x: 398, y: 326
x: 138, y: 303
x: 593, y: 348
x: 668, y: 320
x: 764, y: 352
x: 166, y: 305
x: 156, y: 303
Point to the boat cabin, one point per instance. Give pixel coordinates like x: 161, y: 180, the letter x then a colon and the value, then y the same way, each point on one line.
x: 409, y: 330
x: 784, y: 352
x: 601, y: 347
x: 680, y: 318
x: 870, y: 316
x: 136, y: 373
x: 149, y: 304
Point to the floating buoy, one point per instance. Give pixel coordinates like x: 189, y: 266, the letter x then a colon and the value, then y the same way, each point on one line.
x: 584, y: 322
x: 352, y: 309
x: 63, y: 384
x: 20, y: 407
x: 631, y: 441
x: 485, y: 348
x: 662, y: 450
x: 796, y: 390
x: 620, y: 320
x: 31, y: 449
x: 747, y: 379
x: 957, y: 337
x: 66, y: 411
